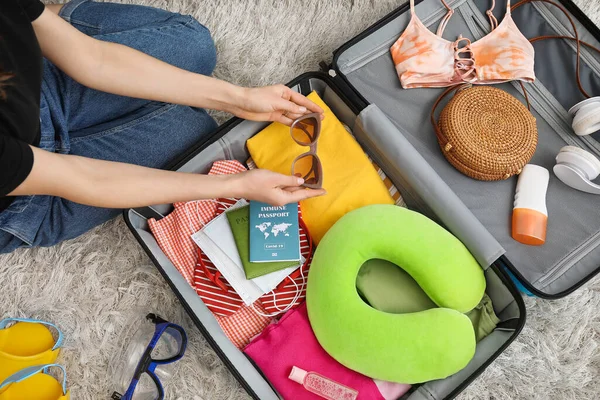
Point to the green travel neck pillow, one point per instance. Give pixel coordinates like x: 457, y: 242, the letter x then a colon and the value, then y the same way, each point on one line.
x: 408, y: 348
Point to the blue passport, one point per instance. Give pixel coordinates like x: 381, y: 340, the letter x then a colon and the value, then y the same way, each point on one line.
x: 274, y: 232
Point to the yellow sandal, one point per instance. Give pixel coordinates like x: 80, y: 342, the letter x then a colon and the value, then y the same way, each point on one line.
x: 25, y: 343
x: 35, y: 383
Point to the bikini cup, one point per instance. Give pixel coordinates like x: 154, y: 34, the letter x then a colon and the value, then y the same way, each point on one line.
x: 425, y: 59
x: 465, y: 54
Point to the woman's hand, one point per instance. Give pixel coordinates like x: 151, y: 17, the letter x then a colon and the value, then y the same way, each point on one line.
x: 272, y: 188
x: 100, y: 183
x: 272, y: 103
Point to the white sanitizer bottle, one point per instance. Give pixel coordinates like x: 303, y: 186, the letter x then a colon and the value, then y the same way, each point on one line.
x: 530, y: 216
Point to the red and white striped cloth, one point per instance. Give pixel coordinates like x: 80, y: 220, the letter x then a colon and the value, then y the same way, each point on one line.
x: 173, y: 234
x: 218, y: 301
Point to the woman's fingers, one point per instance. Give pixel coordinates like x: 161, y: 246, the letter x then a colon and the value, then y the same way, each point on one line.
x: 304, y: 194
x: 282, y: 118
x: 288, y: 181
x: 293, y: 116
x: 301, y: 100
x: 288, y: 106
x: 275, y: 188
x: 276, y: 180
x: 293, y: 188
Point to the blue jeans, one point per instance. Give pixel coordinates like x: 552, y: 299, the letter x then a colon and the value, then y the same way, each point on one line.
x: 85, y: 122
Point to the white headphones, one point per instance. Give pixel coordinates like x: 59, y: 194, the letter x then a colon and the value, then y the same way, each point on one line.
x: 586, y: 116
x: 576, y: 167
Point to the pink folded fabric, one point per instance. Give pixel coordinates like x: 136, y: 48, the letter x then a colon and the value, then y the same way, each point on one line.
x: 291, y: 342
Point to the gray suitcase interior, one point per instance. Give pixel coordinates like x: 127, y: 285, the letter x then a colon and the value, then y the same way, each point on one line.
x: 571, y: 253
x: 421, y: 188
x: 392, y: 126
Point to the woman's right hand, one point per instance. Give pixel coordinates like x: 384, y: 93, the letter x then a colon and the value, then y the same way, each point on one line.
x: 271, y: 103
x: 271, y: 188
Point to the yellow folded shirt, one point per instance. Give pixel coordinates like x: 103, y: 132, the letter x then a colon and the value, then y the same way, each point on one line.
x: 348, y: 175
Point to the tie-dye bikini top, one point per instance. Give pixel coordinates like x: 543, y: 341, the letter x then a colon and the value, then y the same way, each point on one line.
x: 424, y: 59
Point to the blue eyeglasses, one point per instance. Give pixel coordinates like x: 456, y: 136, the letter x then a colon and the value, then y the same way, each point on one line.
x: 167, y: 346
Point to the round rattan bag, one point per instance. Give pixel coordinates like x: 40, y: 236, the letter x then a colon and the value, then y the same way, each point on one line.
x: 486, y: 133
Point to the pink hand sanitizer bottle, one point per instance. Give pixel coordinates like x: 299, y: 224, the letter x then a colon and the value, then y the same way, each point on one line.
x: 322, y: 386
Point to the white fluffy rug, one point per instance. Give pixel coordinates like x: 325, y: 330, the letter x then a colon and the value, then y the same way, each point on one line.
x: 95, y: 287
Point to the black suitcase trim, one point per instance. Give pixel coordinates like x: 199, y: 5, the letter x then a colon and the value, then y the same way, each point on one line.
x: 504, y: 260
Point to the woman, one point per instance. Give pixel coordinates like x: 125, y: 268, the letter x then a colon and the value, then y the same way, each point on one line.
x: 84, y: 148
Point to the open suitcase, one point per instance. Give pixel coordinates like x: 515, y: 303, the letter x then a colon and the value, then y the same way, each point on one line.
x: 392, y: 125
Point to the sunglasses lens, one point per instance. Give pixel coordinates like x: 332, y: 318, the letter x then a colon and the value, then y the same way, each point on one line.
x: 307, y: 168
x: 304, y: 131
x: 146, y: 389
x: 168, y: 346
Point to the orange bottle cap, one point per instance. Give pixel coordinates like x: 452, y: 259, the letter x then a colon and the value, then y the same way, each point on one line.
x: 529, y: 226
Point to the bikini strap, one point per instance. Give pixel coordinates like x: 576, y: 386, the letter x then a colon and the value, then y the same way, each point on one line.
x: 490, y: 14
x: 446, y: 18
x: 412, y: 7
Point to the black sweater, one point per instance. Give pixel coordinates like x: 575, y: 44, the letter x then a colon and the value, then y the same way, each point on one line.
x: 20, y: 55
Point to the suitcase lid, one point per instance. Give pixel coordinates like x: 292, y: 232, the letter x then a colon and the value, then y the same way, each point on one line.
x: 571, y: 254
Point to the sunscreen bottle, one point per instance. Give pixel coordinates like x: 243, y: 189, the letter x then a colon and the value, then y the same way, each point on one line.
x: 530, y: 216
x: 322, y: 386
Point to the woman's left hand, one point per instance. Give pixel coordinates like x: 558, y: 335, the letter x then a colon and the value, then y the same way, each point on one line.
x: 273, y: 103
x: 121, y: 70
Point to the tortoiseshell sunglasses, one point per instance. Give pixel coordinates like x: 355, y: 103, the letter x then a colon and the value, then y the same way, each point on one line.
x: 305, y: 131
